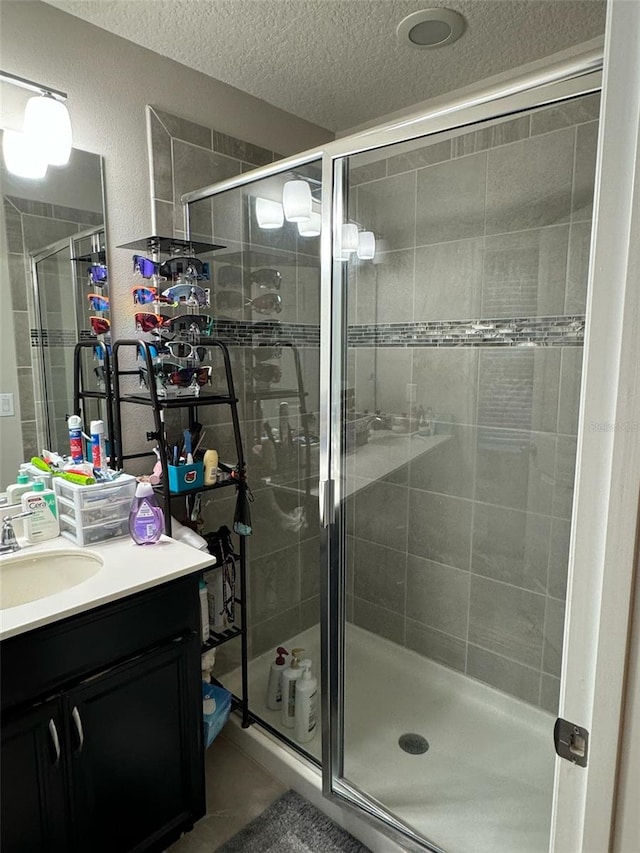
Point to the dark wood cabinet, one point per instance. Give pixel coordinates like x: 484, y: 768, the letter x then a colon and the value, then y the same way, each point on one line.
x: 113, y: 762
x: 34, y: 815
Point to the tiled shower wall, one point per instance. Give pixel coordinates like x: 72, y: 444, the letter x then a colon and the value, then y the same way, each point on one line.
x: 283, y: 553
x: 462, y: 554
x: 31, y: 226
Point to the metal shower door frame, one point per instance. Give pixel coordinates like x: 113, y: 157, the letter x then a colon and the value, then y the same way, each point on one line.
x: 578, y: 791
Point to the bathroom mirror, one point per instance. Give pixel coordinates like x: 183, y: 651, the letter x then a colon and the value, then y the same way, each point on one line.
x: 56, y: 259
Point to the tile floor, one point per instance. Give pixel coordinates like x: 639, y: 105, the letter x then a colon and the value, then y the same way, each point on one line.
x: 238, y: 790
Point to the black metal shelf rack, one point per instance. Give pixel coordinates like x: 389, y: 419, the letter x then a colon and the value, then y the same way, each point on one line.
x: 79, y: 384
x: 130, y: 349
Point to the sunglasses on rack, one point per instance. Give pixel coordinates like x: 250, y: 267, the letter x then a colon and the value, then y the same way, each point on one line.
x: 266, y: 372
x: 265, y: 278
x: 264, y: 353
x: 98, y: 302
x: 184, y: 267
x: 183, y: 349
x: 149, y: 322
x: 198, y: 324
x: 182, y: 377
x: 146, y: 295
x: 99, y: 325
x: 189, y: 294
x: 97, y: 274
x: 145, y: 267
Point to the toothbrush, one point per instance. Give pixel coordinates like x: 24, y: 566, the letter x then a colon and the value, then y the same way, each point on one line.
x: 187, y: 446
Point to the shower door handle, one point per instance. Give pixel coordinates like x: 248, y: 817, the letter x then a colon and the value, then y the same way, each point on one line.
x: 327, y: 503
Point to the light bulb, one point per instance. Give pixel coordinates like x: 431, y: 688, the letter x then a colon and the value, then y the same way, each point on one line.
x: 296, y: 200
x: 310, y: 227
x: 47, y: 124
x: 366, y: 245
x: 349, y: 238
x: 269, y: 213
x: 21, y: 156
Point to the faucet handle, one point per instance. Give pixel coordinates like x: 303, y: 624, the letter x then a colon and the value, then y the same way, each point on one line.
x: 8, y: 542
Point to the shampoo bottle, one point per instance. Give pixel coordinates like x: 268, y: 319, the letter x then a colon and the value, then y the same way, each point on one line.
x: 306, y: 716
x: 274, y: 685
x: 146, y: 519
x: 290, y: 677
x: 43, y: 524
x: 210, y: 462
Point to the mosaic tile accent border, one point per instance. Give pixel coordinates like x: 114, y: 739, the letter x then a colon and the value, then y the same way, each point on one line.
x: 53, y: 337
x: 520, y: 332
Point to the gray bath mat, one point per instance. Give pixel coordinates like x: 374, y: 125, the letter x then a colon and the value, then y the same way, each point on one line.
x: 292, y: 825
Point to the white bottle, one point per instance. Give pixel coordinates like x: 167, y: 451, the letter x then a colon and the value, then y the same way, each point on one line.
x: 289, y: 678
x: 204, y: 611
x: 16, y: 490
x: 306, y: 710
x: 43, y: 524
x: 274, y: 684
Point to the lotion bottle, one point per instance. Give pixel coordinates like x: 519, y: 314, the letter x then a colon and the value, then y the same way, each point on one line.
x: 290, y: 677
x: 44, y: 523
x: 306, y: 708
x: 274, y: 685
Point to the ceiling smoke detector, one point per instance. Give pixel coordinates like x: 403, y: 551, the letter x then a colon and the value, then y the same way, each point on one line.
x: 430, y: 28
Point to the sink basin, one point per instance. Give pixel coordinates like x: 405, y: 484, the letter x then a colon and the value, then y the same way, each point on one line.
x: 28, y: 577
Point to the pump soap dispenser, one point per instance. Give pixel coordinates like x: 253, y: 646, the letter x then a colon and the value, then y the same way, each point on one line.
x: 274, y: 686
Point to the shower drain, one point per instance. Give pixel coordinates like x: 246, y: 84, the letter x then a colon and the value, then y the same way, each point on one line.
x: 413, y: 744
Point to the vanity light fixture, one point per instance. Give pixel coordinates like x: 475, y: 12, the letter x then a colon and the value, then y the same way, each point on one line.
x: 46, y: 136
x: 296, y: 200
x: 22, y: 158
x: 349, y: 238
x: 270, y: 214
x: 366, y: 250
x: 312, y: 226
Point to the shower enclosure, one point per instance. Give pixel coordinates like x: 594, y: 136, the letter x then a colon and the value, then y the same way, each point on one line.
x: 440, y: 364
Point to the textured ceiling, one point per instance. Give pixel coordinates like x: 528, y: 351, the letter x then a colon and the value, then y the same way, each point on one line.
x: 337, y: 62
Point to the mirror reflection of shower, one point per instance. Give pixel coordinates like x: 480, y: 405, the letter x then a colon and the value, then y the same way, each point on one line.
x: 70, y: 304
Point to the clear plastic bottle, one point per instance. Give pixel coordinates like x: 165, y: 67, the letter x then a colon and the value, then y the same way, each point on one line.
x: 146, y: 519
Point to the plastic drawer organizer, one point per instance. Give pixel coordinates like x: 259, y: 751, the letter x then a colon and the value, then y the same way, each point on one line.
x: 90, y: 514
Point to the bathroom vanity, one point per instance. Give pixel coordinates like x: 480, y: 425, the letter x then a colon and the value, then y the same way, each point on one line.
x: 102, y: 742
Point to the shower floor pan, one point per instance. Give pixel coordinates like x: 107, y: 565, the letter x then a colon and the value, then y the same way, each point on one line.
x: 485, y: 783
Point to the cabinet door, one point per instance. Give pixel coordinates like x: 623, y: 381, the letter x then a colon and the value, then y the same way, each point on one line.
x: 136, y: 755
x: 32, y: 782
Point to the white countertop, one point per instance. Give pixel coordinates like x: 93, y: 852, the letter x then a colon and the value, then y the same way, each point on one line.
x: 128, y: 568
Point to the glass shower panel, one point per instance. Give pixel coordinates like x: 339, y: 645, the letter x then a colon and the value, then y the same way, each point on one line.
x: 265, y: 298
x: 460, y: 408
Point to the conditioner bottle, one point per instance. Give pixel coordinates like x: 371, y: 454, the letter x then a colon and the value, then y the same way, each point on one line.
x: 306, y: 708
x: 290, y: 678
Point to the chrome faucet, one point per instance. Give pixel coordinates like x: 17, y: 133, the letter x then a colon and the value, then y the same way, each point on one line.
x: 9, y: 543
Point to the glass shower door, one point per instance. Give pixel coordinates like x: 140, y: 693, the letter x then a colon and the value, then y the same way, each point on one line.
x: 461, y: 368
